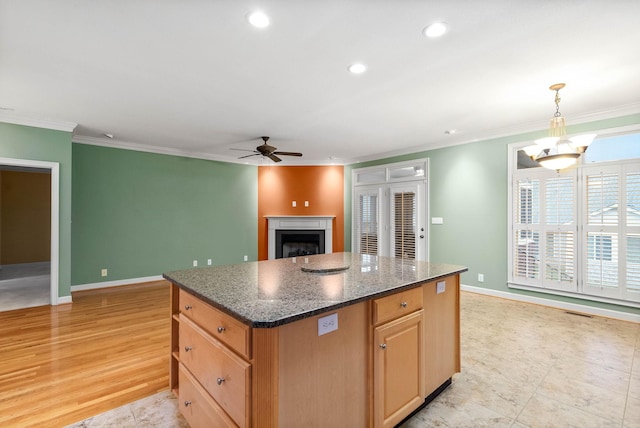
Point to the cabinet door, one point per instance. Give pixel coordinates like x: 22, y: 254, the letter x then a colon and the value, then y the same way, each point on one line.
x: 398, y: 362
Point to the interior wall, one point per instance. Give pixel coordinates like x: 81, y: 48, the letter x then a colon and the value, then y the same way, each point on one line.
x: 468, y: 187
x: 25, y: 217
x: 279, y: 186
x: 26, y: 142
x: 140, y: 214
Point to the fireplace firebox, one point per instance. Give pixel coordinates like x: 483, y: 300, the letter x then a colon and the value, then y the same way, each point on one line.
x: 293, y: 243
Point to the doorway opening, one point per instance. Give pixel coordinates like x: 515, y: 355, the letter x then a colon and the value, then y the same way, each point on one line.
x: 29, y: 233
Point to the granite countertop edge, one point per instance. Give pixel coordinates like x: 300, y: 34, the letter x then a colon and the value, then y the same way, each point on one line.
x: 310, y: 313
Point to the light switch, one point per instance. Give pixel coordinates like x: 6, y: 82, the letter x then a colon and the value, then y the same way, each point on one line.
x: 327, y: 324
x: 293, y: 204
x: 306, y: 203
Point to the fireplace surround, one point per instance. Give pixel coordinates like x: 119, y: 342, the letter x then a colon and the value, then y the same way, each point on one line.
x: 303, y: 224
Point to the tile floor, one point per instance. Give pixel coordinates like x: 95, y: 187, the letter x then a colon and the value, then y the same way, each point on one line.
x: 523, y: 365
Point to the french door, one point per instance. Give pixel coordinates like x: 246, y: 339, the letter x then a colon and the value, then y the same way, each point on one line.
x: 390, y: 220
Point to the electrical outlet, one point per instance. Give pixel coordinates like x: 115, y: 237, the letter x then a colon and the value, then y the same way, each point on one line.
x: 246, y: 258
x: 195, y: 263
x: 103, y: 272
x: 306, y: 203
x: 440, y: 287
x: 293, y: 204
x: 480, y: 277
x: 209, y: 262
x: 327, y: 324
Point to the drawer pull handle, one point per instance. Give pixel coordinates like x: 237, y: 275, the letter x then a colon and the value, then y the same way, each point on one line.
x: 187, y: 348
x: 187, y: 403
x: 187, y: 307
x: 383, y: 346
x: 220, y: 380
x: 221, y: 329
x: 403, y: 304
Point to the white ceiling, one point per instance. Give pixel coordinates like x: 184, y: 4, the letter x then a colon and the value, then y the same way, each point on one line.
x: 192, y: 77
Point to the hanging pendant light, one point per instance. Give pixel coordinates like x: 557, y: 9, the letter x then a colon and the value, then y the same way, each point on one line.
x: 556, y: 151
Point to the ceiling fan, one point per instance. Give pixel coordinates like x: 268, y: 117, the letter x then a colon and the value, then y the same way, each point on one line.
x: 269, y: 151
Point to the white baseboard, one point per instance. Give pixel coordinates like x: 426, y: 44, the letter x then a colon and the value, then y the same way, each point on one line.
x: 64, y: 299
x: 608, y: 313
x: 105, y: 284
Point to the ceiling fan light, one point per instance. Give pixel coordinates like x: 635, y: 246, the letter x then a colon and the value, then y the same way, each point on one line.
x: 559, y: 161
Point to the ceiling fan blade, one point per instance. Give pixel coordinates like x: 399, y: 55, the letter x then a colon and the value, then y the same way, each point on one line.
x: 242, y: 150
x: 288, y: 153
x: 274, y: 158
x: 248, y: 156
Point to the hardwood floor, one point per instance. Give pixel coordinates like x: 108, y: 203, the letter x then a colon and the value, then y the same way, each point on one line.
x: 62, y: 364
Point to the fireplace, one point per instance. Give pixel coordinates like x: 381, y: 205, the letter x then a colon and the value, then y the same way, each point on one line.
x: 301, y: 234
x: 294, y: 243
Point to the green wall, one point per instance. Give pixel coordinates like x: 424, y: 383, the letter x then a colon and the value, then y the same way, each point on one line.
x: 468, y: 189
x: 25, y: 142
x: 140, y: 214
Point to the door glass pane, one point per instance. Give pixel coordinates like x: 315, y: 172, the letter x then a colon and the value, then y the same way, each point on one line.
x: 404, y: 217
x: 368, y: 223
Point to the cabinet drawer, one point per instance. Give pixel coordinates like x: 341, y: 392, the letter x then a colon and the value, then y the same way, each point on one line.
x: 220, y: 325
x: 197, y: 407
x: 224, y: 375
x: 397, y: 305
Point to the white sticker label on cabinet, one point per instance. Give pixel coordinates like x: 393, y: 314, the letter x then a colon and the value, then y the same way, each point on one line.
x: 327, y: 324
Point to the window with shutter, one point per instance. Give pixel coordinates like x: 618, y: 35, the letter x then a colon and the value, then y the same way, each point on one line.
x: 578, y: 231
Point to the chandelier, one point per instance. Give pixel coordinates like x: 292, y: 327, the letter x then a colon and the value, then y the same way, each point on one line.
x: 556, y: 151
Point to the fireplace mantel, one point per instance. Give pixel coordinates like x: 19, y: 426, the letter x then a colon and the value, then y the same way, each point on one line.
x: 300, y: 222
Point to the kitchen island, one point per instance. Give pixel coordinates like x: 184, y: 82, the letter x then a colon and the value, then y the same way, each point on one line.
x: 337, y: 339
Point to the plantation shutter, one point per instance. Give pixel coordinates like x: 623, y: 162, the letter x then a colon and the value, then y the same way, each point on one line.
x: 404, y: 224
x: 544, y: 230
x: 602, y: 230
x: 632, y: 233
x: 367, y: 219
x: 527, y: 229
x: 559, y: 221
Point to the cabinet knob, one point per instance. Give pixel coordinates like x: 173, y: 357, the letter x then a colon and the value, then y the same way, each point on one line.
x: 187, y: 348
x: 220, y: 380
x: 187, y: 403
x: 403, y: 304
x: 221, y: 329
x: 383, y: 346
x: 187, y: 307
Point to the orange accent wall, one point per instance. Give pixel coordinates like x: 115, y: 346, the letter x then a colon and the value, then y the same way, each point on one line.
x: 322, y: 186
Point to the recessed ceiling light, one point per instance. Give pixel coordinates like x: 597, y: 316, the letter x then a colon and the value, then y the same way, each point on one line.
x: 436, y: 29
x: 109, y: 136
x: 357, y: 68
x: 450, y: 131
x: 258, y: 19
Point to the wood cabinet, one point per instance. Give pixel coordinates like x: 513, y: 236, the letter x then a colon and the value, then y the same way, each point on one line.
x: 398, y: 358
x: 386, y: 357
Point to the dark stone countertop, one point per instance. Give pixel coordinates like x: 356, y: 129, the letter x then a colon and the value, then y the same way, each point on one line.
x: 270, y: 293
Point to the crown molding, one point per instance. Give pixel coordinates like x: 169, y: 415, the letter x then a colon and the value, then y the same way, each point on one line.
x: 37, y: 123
x: 126, y: 145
